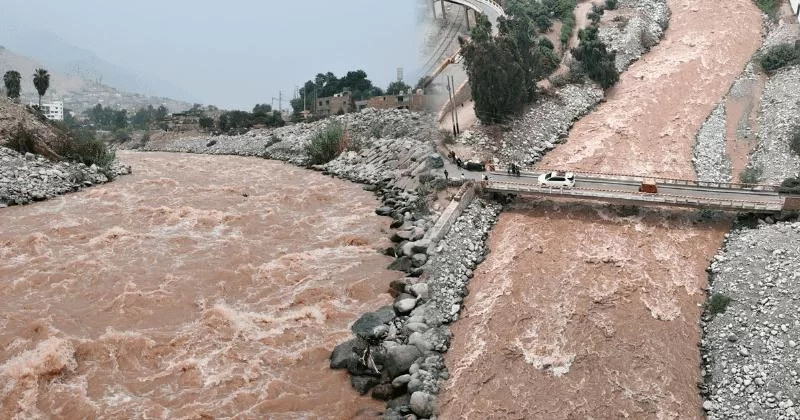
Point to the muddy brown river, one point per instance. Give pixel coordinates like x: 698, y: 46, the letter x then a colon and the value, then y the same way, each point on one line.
x: 198, y: 287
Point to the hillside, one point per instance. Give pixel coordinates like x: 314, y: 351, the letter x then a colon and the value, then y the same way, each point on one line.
x: 78, y: 93
x: 45, y: 136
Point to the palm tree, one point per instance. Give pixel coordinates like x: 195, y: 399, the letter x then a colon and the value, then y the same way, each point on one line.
x: 41, y: 79
x: 12, y: 81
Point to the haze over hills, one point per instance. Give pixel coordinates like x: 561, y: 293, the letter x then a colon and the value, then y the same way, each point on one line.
x: 59, y: 55
x: 78, y: 92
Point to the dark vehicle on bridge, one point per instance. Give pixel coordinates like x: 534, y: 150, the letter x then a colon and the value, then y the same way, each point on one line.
x: 472, y: 165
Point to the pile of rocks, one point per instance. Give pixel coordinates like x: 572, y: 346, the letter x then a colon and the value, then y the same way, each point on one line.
x: 397, y: 353
x: 780, y: 105
x: 639, y: 34
x: 387, y: 160
x: 289, y: 143
x: 27, y: 178
x: 710, y: 158
x: 750, y: 350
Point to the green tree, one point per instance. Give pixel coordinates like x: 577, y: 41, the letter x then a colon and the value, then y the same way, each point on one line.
x: 161, y: 113
x: 41, y: 80
x: 12, y: 79
x: 206, y: 123
x: 596, y: 13
x: 397, y: 87
x: 495, y: 75
x: 595, y: 59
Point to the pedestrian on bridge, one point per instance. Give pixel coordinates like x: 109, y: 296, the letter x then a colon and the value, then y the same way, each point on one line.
x: 446, y: 175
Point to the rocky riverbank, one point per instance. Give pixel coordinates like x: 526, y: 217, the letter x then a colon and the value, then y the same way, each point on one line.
x: 289, y: 143
x: 548, y: 121
x: 752, y: 327
x: 397, y: 353
x: 28, y: 178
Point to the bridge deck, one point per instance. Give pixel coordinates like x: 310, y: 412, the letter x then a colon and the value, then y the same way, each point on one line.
x: 625, y: 189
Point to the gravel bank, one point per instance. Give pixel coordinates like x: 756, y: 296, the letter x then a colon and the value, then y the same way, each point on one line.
x: 27, y: 178
x: 750, y: 355
x: 780, y: 105
x: 711, y: 161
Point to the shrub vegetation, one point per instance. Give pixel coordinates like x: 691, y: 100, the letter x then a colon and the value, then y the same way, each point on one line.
x: 718, y: 303
x: 779, y: 56
x: 326, y: 144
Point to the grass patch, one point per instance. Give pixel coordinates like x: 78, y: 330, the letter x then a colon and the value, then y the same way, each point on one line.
x: 770, y: 7
x: 717, y: 304
x: 751, y: 175
x: 794, y: 142
x: 326, y: 144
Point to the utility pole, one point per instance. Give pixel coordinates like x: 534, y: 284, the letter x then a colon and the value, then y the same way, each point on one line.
x: 452, y: 115
x: 458, y: 129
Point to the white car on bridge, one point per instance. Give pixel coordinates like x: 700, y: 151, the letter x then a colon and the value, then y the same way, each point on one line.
x: 557, y: 179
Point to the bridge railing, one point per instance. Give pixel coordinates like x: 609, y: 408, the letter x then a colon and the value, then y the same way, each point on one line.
x: 691, y: 201
x: 676, y: 181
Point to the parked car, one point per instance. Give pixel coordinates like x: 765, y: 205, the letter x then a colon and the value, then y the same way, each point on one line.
x: 557, y: 179
x: 472, y: 165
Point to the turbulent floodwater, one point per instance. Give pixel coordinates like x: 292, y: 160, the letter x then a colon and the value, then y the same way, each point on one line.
x: 579, y: 312
x: 171, y: 294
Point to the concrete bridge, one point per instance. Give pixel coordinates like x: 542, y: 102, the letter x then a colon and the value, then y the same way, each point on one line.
x: 624, y: 189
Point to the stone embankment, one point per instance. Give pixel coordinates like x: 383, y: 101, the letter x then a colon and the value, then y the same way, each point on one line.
x: 547, y: 122
x: 397, y: 353
x: 27, y: 178
x: 750, y: 347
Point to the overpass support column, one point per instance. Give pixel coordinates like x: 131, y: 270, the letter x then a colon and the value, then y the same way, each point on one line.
x: 433, y: 6
x: 444, y: 15
x: 466, y: 15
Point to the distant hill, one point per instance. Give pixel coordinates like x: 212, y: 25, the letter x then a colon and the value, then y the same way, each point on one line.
x: 61, y: 56
x: 79, y: 90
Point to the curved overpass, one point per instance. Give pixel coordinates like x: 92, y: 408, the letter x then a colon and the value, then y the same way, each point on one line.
x: 452, y: 65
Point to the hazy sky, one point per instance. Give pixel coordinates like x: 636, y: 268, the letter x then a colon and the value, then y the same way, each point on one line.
x: 235, y: 53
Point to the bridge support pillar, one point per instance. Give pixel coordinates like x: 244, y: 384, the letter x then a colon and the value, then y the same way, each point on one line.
x: 433, y: 6
x: 444, y: 14
x: 466, y: 15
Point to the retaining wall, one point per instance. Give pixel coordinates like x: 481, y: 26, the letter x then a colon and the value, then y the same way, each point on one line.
x: 462, y: 199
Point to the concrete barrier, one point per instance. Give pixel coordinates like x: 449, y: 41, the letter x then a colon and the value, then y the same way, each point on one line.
x: 461, y: 200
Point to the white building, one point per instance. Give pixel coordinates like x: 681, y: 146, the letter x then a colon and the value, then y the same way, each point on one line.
x: 53, y: 111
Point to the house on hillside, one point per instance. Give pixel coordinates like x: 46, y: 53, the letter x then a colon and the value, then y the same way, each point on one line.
x: 53, y: 110
x: 182, y: 121
x: 340, y: 103
x: 411, y: 100
x: 343, y: 103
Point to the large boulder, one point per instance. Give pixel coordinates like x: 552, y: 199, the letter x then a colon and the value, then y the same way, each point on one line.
x: 400, y: 358
x: 435, y: 160
x: 423, y: 404
x: 363, y: 384
x: 404, y: 303
x: 369, y: 326
x: 343, y: 355
x: 401, y: 264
